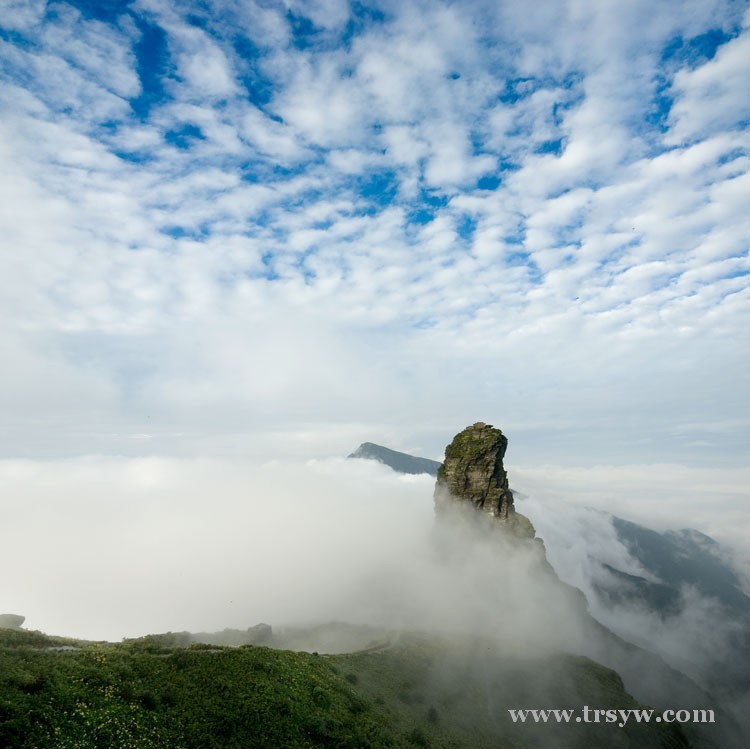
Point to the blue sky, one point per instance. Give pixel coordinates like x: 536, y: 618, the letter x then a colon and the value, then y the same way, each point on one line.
x: 283, y: 228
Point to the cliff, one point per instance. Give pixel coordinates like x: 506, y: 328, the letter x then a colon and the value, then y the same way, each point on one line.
x: 473, y: 477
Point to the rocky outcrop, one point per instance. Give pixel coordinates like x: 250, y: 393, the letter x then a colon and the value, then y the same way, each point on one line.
x: 473, y: 477
x: 260, y: 634
x: 11, y: 621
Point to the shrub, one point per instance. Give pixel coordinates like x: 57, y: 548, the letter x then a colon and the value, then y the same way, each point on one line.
x: 321, y: 697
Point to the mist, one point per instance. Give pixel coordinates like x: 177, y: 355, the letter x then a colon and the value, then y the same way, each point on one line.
x: 694, y: 632
x: 107, y: 548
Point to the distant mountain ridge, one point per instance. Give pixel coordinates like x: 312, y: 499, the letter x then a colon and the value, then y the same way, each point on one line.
x: 687, y: 561
x: 400, y: 462
x: 684, y: 557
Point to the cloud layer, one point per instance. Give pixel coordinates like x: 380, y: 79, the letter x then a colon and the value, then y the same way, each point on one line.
x: 110, y: 547
x: 121, y: 548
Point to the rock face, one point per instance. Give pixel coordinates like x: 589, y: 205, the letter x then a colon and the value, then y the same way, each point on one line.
x: 473, y: 476
x: 11, y: 621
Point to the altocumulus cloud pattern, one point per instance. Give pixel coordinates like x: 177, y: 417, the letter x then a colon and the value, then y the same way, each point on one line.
x: 301, y: 216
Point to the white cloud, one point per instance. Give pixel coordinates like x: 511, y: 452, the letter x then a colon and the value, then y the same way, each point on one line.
x: 341, y: 120
x: 21, y: 14
x: 271, y: 137
x: 450, y: 163
x: 101, y: 52
x: 202, y: 64
x: 714, y: 96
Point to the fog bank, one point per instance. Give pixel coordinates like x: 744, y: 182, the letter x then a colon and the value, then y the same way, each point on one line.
x: 106, y: 548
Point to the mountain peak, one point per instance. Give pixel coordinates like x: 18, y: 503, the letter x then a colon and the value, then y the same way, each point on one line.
x: 401, y: 462
x: 473, y: 476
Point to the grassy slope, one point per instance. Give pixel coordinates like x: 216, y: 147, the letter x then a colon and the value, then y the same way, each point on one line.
x: 422, y: 692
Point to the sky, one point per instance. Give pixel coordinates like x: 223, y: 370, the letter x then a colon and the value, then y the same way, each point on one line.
x: 284, y: 228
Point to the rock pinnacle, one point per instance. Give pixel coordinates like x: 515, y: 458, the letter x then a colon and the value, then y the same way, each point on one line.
x: 473, y: 477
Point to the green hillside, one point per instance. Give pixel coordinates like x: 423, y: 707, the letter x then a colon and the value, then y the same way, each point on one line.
x: 420, y: 692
